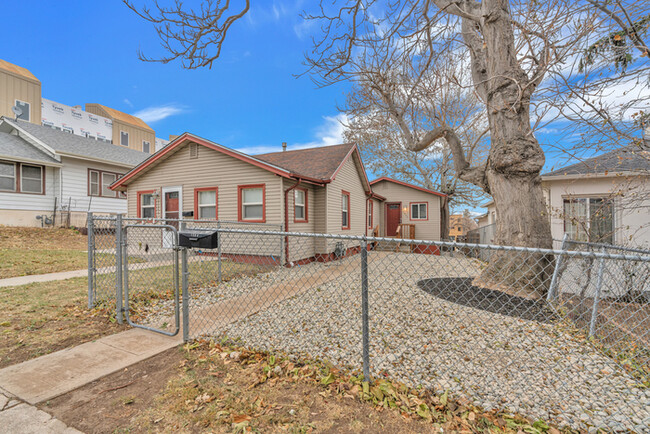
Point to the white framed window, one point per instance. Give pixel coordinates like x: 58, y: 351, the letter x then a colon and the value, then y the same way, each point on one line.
x: 252, y: 203
x: 124, y: 138
x: 345, y: 210
x: 206, y: 203
x: 25, y: 107
x: 147, y: 205
x: 589, y: 219
x: 146, y: 147
x: 93, y: 183
x: 300, y: 205
x: 370, y: 210
x: 31, y: 179
x: 68, y: 130
x: 107, y: 180
x: 7, y: 176
x: 419, y: 211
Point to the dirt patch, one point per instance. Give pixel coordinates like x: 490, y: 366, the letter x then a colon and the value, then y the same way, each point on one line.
x: 111, y: 403
x: 207, y: 387
x: 42, y: 238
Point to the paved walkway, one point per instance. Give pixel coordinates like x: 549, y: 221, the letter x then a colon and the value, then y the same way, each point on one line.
x: 24, y: 280
x: 18, y: 417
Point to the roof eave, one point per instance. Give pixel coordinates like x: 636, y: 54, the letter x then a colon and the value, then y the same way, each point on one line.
x: 612, y: 174
x: 30, y: 160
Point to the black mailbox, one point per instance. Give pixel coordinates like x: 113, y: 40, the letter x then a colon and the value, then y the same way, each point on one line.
x: 198, y: 238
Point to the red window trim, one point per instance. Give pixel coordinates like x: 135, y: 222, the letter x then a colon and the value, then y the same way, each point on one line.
x: 346, y: 193
x: 216, y: 201
x: 118, y: 194
x: 18, y: 174
x: 306, y: 219
x: 240, y: 204
x: 372, y: 213
x: 411, y: 211
x: 155, y: 202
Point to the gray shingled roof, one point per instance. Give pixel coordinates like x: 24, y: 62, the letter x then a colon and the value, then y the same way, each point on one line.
x: 630, y: 158
x: 15, y: 147
x: 72, y: 144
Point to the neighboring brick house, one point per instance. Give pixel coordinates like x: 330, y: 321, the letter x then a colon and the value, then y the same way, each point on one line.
x: 317, y: 190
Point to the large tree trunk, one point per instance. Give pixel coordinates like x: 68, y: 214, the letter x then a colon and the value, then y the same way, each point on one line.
x: 444, y: 218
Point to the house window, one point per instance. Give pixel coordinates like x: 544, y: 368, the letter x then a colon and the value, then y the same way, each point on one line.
x: 124, y: 138
x: 589, y: 219
x: 7, y: 176
x: 205, y: 203
x: 94, y: 182
x: 146, y: 205
x: 25, y: 108
x: 146, y: 147
x: 68, y: 130
x: 419, y: 211
x: 345, y: 210
x: 99, y: 182
x: 370, y: 210
x: 31, y: 179
x: 300, y: 205
x: 251, y: 203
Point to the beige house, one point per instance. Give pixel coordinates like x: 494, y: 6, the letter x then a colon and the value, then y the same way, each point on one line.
x: 317, y: 190
x: 19, y: 88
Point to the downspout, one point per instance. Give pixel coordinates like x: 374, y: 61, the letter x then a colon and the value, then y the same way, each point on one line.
x: 286, y: 218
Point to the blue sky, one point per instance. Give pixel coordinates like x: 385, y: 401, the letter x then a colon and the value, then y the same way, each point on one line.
x: 86, y: 51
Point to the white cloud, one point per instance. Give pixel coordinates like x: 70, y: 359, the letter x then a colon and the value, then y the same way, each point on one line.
x: 158, y: 113
x: 127, y: 102
x: 329, y: 133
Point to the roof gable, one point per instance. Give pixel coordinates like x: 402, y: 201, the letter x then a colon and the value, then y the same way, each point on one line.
x: 16, y: 148
x: 631, y: 158
x: 318, y: 163
x: 17, y: 70
x: 406, y: 184
x: 122, y: 117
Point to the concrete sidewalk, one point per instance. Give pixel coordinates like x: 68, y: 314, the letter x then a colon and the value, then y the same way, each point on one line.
x: 18, y: 417
x: 24, y: 280
x: 48, y: 376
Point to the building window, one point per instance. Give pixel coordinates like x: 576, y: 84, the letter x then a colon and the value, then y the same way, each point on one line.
x: 25, y: 109
x: 345, y: 210
x: 300, y: 205
x: 124, y: 138
x: 205, y: 203
x: 146, y: 204
x: 31, y: 179
x: 252, y: 203
x: 589, y: 219
x: 370, y: 210
x: 419, y: 211
x: 68, y: 130
x: 146, y: 147
x: 7, y: 176
x: 99, y: 182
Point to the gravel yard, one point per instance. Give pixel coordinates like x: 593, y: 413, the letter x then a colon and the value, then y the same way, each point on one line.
x: 497, y: 360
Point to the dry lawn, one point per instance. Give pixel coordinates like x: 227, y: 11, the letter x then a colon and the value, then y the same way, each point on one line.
x: 27, y: 251
x: 40, y: 318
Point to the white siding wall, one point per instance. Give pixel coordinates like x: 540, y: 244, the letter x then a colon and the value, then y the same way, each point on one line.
x: 75, y: 187
x: 33, y: 202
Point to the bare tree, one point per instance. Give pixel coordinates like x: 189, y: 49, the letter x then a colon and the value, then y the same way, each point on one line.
x: 391, y: 105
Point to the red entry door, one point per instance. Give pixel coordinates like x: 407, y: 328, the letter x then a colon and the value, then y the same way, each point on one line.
x: 172, y: 207
x: 393, y: 217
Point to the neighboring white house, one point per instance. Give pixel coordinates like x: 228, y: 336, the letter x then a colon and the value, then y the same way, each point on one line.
x: 604, y: 199
x: 50, y: 177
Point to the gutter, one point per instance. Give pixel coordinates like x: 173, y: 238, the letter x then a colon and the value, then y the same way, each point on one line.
x: 286, y: 218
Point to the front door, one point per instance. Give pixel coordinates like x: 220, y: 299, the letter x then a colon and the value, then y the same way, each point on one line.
x: 393, y: 218
x: 172, y: 197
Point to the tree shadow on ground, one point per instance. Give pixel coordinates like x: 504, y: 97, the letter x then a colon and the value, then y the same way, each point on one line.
x: 460, y: 290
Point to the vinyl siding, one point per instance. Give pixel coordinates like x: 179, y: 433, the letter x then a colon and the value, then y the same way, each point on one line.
x: 424, y: 230
x: 33, y: 202
x: 75, y: 187
x: 300, y: 248
x: 211, y: 169
x: 13, y: 87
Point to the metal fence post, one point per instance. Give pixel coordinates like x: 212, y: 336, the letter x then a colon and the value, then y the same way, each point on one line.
x: 91, y: 262
x: 219, y: 250
x: 186, y: 297
x: 364, y: 309
x: 118, y: 269
x: 556, y: 273
x: 599, y: 284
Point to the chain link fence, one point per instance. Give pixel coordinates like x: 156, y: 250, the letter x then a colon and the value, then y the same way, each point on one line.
x: 559, y: 335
